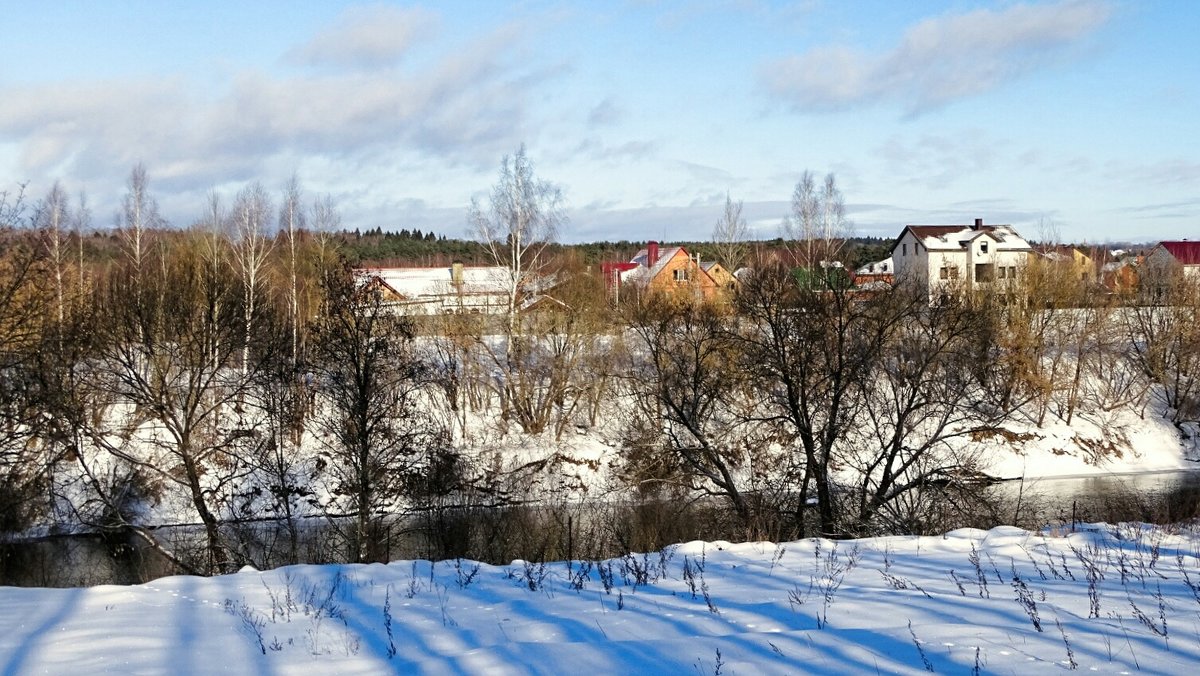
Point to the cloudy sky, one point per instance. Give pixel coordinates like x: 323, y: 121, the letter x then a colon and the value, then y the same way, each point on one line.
x: 1077, y: 116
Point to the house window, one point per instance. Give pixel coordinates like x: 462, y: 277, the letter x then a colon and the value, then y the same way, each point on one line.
x: 1012, y: 272
x: 983, y: 247
x: 944, y: 273
x: 681, y: 274
x: 904, y: 249
x: 948, y: 272
x: 1002, y: 273
x: 984, y: 272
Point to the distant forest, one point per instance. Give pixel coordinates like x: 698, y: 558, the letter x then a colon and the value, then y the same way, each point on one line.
x: 405, y: 248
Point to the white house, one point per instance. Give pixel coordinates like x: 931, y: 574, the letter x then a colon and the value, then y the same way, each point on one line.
x: 971, y: 256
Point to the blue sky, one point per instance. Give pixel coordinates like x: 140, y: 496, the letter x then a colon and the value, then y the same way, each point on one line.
x: 1076, y: 117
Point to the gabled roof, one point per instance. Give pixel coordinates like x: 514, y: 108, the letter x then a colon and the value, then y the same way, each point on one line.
x: 1184, y: 251
x: 956, y: 237
x: 665, y: 254
x: 644, y: 275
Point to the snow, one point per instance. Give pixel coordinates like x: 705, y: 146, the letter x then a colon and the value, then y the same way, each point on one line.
x: 1112, y: 599
x: 1120, y: 443
x: 1005, y: 237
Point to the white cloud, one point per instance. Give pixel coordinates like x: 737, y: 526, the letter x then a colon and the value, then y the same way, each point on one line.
x: 468, y: 108
x: 938, y: 60
x: 367, y: 37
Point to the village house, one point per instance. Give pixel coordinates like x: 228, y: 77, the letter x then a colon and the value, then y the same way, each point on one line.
x: 668, y: 270
x: 877, y: 274
x: 1070, y: 260
x: 442, y: 290
x: 1181, y: 255
x: 1119, y: 270
x: 943, y: 257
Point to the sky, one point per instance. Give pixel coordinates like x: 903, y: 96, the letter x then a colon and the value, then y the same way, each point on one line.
x: 1073, y: 120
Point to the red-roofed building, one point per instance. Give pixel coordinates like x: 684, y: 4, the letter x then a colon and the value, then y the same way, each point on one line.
x: 667, y: 270
x: 1183, y: 253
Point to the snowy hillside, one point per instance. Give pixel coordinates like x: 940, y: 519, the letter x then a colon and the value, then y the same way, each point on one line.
x: 1113, y: 599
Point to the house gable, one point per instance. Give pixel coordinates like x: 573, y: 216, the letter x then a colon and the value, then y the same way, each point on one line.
x: 1184, y: 251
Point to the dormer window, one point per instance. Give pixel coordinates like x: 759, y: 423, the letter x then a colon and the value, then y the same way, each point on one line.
x: 983, y: 247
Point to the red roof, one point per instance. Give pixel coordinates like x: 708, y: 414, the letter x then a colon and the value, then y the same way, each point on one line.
x: 1187, y: 253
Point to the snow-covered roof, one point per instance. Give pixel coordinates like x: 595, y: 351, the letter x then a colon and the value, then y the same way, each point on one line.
x: 665, y: 254
x: 883, y: 267
x: 957, y: 237
x: 418, y: 282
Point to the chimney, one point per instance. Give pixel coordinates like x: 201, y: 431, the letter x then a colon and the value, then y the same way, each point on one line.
x: 651, y: 253
x: 978, y: 224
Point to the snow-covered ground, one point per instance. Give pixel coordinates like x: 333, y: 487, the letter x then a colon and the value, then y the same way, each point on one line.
x: 1112, y: 599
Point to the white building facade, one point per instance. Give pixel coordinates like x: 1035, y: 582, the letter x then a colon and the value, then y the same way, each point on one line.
x: 941, y: 258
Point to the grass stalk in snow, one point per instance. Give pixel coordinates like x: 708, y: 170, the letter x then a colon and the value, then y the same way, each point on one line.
x: 464, y: 575
x: 1067, y: 642
x: 387, y: 622
x: 920, y: 648
x: 1025, y: 598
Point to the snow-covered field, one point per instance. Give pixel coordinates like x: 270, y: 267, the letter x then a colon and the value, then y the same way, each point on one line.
x: 1112, y: 599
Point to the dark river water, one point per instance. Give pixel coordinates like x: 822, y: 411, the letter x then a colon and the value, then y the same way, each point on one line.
x: 1153, y: 497
x: 86, y: 560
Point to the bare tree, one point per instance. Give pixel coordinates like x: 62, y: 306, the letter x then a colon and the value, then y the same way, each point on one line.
x: 172, y: 358
x: 251, y: 246
x: 694, y: 403
x: 920, y: 402
x: 138, y: 217
x: 325, y: 222
x: 291, y: 223
x: 24, y: 463
x: 521, y: 218
x: 729, y: 235
x: 518, y: 223
x: 1163, y: 332
x: 377, y: 440
x: 53, y: 222
x: 808, y: 349
x: 81, y: 223
x: 817, y: 223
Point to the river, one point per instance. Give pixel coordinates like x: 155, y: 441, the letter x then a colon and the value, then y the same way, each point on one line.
x: 85, y: 560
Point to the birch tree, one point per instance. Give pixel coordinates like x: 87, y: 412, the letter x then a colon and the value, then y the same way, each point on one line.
x: 729, y: 235
x: 138, y: 217
x: 818, y: 222
x: 519, y: 221
x: 53, y: 223
x: 291, y: 223
x: 517, y: 224
x: 250, y: 248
